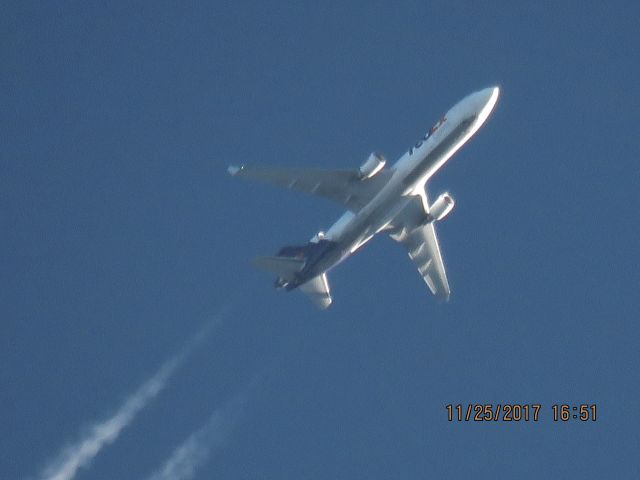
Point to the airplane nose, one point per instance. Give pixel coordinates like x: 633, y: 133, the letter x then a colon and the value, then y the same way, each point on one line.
x: 486, y: 99
x: 481, y: 101
x: 488, y: 95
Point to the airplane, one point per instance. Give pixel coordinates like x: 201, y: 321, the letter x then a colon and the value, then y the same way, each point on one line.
x: 393, y: 201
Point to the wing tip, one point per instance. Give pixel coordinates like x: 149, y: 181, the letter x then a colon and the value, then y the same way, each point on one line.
x: 444, y: 296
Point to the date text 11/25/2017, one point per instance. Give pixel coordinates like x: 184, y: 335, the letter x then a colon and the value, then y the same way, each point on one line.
x: 517, y: 412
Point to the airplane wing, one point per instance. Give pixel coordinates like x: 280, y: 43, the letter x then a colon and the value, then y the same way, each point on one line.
x: 422, y: 243
x: 343, y: 186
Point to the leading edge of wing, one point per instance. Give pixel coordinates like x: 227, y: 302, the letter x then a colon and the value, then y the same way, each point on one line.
x: 345, y: 187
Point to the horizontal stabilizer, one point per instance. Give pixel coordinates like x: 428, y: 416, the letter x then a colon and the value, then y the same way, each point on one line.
x: 317, y: 289
x: 284, y: 267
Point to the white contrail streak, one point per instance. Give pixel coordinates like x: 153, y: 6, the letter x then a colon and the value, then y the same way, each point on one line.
x: 80, y: 454
x: 197, y: 448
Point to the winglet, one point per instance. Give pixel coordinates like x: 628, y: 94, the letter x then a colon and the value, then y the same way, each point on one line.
x: 234, y: 169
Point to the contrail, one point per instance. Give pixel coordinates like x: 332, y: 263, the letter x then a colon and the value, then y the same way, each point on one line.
x: 197, y: 448
x: 80, y: 454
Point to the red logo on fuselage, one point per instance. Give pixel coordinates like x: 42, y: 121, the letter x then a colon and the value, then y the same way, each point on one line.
x: 427, y: 135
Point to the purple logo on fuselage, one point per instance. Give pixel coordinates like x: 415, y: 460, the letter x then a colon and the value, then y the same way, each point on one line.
x: 431, y: 131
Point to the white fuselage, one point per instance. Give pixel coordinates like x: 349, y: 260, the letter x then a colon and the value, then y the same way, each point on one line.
x: 410, y: 174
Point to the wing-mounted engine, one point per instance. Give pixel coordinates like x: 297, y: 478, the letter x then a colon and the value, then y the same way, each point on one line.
x: 373, y: 165
x: 441, y: 207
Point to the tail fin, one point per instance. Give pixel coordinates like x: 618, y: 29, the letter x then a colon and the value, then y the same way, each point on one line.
x: 289, y: 266
x: 317, y: 289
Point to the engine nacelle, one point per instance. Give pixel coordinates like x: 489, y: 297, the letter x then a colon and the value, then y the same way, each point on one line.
x: 441, y: 207
x: 373, y: 165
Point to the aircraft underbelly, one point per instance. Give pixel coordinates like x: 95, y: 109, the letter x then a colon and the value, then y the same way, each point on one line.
x: 354, y: 232
x: 366, y: 224
x: 383, y: 209
x: 393, y: 201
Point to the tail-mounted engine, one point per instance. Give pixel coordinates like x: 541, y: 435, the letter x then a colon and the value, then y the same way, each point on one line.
x: 317, y: 237
x: 373, y: 165
x: 441, y: 207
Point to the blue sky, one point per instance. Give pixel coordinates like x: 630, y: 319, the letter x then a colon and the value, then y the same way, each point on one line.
x: 124, y: 240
